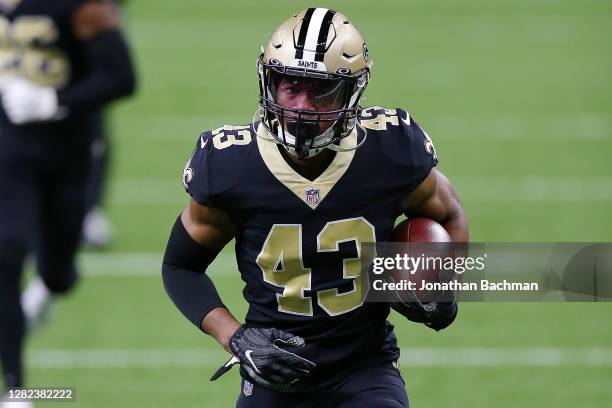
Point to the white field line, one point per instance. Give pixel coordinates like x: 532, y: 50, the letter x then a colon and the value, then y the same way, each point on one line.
x: 412, y: 357
x: 493, y: 189
x: 588, y: 126
x: 131, y: 264
x: 535, y: 189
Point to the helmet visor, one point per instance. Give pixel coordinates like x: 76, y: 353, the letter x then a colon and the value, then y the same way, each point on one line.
x: 325, y: 98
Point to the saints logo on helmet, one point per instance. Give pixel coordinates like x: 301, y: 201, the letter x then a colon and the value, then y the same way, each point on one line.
x: 319, y: 49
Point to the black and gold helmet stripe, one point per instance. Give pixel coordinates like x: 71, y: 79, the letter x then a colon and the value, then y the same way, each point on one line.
x: 323, y: 33
x: 313, y: 34
x: 299, y: 53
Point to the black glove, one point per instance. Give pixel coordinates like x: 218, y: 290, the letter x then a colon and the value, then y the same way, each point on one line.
x: 261, y: 352
x: 435, y: 315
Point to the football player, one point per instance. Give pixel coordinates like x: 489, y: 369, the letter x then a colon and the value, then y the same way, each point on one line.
x: 300, y: 190
x: 97, y: 230
x: 61, y: 61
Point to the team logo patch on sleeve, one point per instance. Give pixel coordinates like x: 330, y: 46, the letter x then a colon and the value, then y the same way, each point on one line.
x: 187, y: 173
x: 429, y: 146
x: 313, y: 196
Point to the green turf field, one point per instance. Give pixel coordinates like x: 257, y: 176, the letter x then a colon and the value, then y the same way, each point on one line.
x: 516, y: 96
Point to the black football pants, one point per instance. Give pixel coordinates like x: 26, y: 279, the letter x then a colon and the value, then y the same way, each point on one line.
x: 98, y: 168
x: 381, y: 386
x: 43, y: 185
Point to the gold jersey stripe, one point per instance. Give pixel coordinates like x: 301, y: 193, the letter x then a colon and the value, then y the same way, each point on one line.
x: 295, y: 182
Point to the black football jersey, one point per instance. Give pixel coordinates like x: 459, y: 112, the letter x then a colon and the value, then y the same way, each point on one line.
x: 37, y: 43
x: 298, y: 241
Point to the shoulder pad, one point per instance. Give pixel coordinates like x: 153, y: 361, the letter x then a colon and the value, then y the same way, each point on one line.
x: 401, y: 139
x: 217, y: 162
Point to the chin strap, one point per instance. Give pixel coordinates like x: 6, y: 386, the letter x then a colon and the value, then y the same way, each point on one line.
x: 257, y: 115
x: 338, y: 148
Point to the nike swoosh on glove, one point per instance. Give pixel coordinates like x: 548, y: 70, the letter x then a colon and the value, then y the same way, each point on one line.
x: 262, y: 352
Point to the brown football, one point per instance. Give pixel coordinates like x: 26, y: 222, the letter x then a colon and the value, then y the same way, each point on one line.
x: 420, y: 230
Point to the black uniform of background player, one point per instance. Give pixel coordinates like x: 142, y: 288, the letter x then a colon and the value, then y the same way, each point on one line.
x: 44, y: 166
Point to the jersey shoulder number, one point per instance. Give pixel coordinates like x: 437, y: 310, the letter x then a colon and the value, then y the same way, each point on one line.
x: 401, y: 139
x: 216, y: 162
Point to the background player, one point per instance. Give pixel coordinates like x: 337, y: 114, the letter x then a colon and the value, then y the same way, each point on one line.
x: 98, y: 231
x: 299, y: 191
x: 60, y: 62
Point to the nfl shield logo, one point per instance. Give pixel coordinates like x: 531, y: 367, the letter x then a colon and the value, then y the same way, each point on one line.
x: 312, y: 196
x: 247, y: 388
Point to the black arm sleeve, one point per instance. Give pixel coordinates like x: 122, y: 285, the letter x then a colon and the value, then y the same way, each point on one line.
x: 185, y: 261
x: 111, y: 76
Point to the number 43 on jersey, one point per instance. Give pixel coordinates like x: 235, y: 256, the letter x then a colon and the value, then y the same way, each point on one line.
x: 282, y: 265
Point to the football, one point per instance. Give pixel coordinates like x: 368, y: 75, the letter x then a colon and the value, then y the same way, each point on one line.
x: 414, y: 234
x: 419, y: 230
